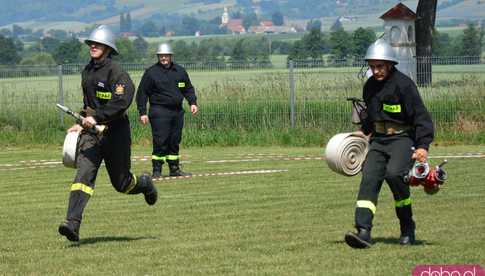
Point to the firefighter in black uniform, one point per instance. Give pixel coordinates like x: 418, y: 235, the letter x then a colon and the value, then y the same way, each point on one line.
x: 401, y: 131
x: 165, y: 85
x: 108, y: 92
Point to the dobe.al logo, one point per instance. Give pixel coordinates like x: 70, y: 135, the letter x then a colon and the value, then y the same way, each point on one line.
x: 448, y: 270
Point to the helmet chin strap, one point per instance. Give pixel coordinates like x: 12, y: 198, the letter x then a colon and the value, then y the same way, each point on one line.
x: 105, y: 55
x: 166, y: 66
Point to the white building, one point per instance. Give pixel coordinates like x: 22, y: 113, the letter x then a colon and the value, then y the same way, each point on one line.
x: 399, y: 31
x: 225, y: 17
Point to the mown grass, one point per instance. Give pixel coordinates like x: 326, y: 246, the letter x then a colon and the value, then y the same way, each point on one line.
x: 289, y: 223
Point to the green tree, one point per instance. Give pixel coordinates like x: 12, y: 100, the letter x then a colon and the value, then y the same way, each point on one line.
x: 337, y: 25
x: 280, y: 47
x: 257, y: 50
x: 361, y: 40
x: 278, y: 19
x: 209, y: 50
x: 442, y: 44
x: 17, y: 30
x: 49, y: 44
x: 314, y: 43
x: 19, y: 45
x: 238, y: 53
x: 149, y: 29
x: 68, y: 51
x: 182, y: 52
x: 314, y: 24
x: 190, y: 25
x: 9, y: 53
x: 38, y: 59
x: 6, y: 32
x: 126, y: 50
x: 471, y: 44
x: 58, y: 34
x: 339, y: 43
x: 141, y: 47
x: 250, y: 19
x: 298, y: 51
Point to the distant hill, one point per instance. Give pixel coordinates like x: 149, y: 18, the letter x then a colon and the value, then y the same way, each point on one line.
x: 77, y: 14
x: 470, y: 9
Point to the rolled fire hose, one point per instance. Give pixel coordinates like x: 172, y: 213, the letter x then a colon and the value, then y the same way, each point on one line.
x: 69, y: 149
x: 345, y: 153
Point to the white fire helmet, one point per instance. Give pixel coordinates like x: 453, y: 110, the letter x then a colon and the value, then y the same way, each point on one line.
x: 164, y: 49
x: 381, y: 50
x: 103, y: 35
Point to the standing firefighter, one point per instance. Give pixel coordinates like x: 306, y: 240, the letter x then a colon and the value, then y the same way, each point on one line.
x: 400, y: 130
x: 108, y: 92
x: 165, y: 85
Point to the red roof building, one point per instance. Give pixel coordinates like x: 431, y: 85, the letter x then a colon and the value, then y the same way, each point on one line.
x: 399, y: 11
x: 235, y: 26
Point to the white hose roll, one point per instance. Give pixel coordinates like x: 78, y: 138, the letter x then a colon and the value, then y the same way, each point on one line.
x: 69, y: 150
x: 345, y: 153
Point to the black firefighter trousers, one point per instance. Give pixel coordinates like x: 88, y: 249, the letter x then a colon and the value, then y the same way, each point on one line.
x: 389, y: 158
x: 114, y: 147
x: 167, y: 124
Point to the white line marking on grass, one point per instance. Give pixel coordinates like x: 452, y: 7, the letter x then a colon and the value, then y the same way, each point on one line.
x: 458, y: 156
x: 220, y: 174
x: 260, y: 157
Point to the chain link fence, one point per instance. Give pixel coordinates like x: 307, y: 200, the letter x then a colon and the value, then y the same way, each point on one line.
x: 303, y: 94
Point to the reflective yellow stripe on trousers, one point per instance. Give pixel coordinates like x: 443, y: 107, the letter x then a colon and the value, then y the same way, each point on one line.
x: 83, y: 188
x: 402, y: 203
x: 173, y: 157
x: 159, y: 158
x: 132, y: 184
x: 367, y: 204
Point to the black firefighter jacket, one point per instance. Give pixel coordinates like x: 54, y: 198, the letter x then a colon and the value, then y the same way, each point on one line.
x: 165, y: 86
x: 396, y: 99
x: 108, y: 92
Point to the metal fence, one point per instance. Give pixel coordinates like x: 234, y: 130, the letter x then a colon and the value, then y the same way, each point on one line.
x: 299, y: 94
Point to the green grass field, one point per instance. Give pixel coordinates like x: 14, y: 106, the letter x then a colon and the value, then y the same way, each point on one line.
x: 286, y: 223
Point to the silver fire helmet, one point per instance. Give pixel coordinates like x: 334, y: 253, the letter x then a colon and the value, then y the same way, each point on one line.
x: 164, y: 49
x: 103, y: 35
x: 381, y: 50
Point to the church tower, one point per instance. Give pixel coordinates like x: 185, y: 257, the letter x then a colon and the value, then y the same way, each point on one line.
x: 225, y: 17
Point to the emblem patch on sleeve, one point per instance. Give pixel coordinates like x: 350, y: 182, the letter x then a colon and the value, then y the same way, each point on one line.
x: 120, y: 89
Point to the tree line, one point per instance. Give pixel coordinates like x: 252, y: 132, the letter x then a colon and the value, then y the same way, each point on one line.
x: 314, y: 45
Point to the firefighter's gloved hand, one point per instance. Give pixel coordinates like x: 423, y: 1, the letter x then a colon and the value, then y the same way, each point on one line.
x: 420, y: 155
x: 360, y: 133
x: 75, y: 128
x: 194, y: 109
x: 144, y: 119
x: 89, y: 122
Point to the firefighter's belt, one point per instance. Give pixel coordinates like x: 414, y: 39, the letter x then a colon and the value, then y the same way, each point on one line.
x: 390, y: 128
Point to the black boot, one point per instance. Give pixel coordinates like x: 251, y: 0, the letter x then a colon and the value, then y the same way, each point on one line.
x: 175, y: 169
x: 407, y: 239
x: 145, y: 186
x: 70, y: 229
x: 157, y: 168
x: 407, y: 225
x: 361, y: 239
